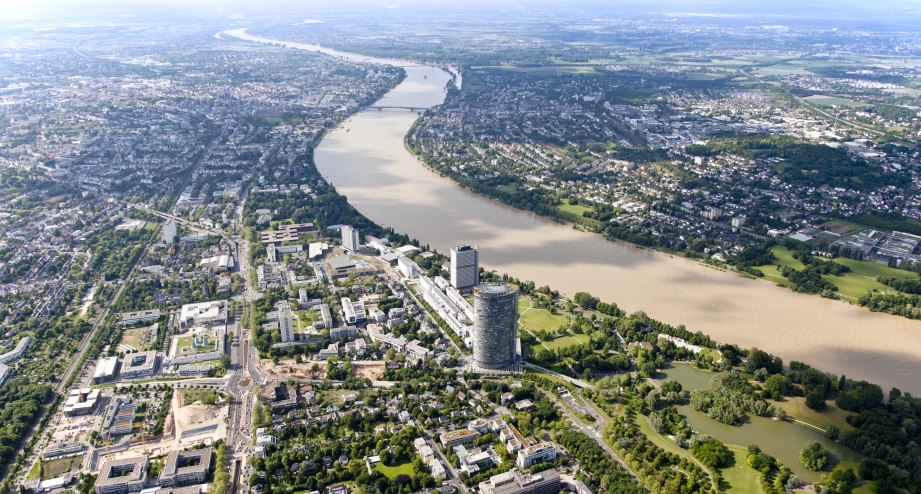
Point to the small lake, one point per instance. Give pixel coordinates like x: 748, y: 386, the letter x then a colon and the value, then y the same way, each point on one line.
x: 782, y: 440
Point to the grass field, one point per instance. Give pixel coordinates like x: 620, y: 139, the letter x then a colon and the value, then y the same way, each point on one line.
x: 206, y: 396
x: 572, y: 211
x: 741, y: 478
x: 796, y: 408
x: 565, y: 341
x: 851, y: 286
x: 139, y: 338
x: 55, y: 468
x: 822, y: 100
x: 391, y: 472
x: 531, y: 318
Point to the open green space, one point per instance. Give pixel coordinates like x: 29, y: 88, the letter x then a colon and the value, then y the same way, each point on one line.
x: 54, y: 468
x: 534, y: 319
x: 780, y: 70
x: 140, y: 339
x: 206, y: 396
x: 796, y: 409
x: 741, y: 478
x: 573, y: 212
x: 851, y: 286
x: 543, y: 70
x: 565, y: 341
x: 392, y: 471
x: 822, y: 100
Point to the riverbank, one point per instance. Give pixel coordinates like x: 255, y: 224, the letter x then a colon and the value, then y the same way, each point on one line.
x: 365, y: 159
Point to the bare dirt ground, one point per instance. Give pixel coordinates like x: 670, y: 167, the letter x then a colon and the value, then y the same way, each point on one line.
x: 289, y: 369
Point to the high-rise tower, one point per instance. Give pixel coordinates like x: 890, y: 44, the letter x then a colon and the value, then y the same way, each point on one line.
x: 465, y: 267
x: 350, y: 238
x: 286, y: 322
x: 495, y: 327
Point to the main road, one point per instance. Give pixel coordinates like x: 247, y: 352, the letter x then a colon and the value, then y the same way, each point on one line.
x: 367, y: 161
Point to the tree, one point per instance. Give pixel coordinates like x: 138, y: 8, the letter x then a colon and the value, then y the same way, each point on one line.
x: 814, y: 456
x: 710, y: 451
x: 816, y: 400
x: 778, y: 385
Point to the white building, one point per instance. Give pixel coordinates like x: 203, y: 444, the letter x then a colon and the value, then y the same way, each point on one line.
x: 539, y: 453
x: 354, y: 312
x: 407, y: 267
x: 465, y: 267
x: 350, y: 238
x: 203, y: 313
x: 285, y: 322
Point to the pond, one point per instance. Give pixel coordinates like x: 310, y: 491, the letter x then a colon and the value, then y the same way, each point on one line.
x: 782, y: 440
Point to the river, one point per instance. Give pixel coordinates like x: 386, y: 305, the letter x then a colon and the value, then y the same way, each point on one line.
x: 366, y: 160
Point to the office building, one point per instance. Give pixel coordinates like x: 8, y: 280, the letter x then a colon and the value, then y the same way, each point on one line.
x: 142, y: 364
x: 465, y: 267
x: 350, y: 238
x: 495, y: 327
x: 186, y: 467
x: 458, y: 437
x: 81, y: 401
x: 169, y: 232
x: 354, y: 312
x: 539, y: 453
x: 515, y: 482
x: 286, y: 322
x: 204, y: 313
x: 122, y: 476
x: 106, y: 369
x: 120, y: 418
x: 132, y: 318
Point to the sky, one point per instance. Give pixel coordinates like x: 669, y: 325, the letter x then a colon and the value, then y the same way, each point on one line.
x: 896, y: 11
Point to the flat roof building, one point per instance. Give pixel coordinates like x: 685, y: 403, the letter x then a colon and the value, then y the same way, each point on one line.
x: 106, y: 370
x: 214, y: 312
x: 350, y: 238
x: 186, y: 467
x: 132, y: 318
x: 539, y: 453
x: 515, y: 482
x: 122, y: 476
x: 465, y: 267
x: 142, y: 364
x: 81, y: 401
x: 458, y: 437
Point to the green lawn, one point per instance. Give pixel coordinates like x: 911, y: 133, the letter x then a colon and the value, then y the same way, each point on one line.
x: 822, y: 100
x: 534, y: 319
x: 741, y: 478
x: 206, y: 396
x: 391, y: 472
x: 851, y: 286
x: 572, y: 211
x: 796, y: 408
x: 565, y: 341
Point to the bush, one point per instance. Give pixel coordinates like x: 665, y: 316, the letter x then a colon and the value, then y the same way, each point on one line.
x: 710, y: 451
x: 816, y: 400
x: 814, y: 456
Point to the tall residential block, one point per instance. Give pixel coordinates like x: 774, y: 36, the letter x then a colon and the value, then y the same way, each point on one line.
x: 350, y: 238
x: 465, y: 267
x: 495, y: 327
x: 285, y: 322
